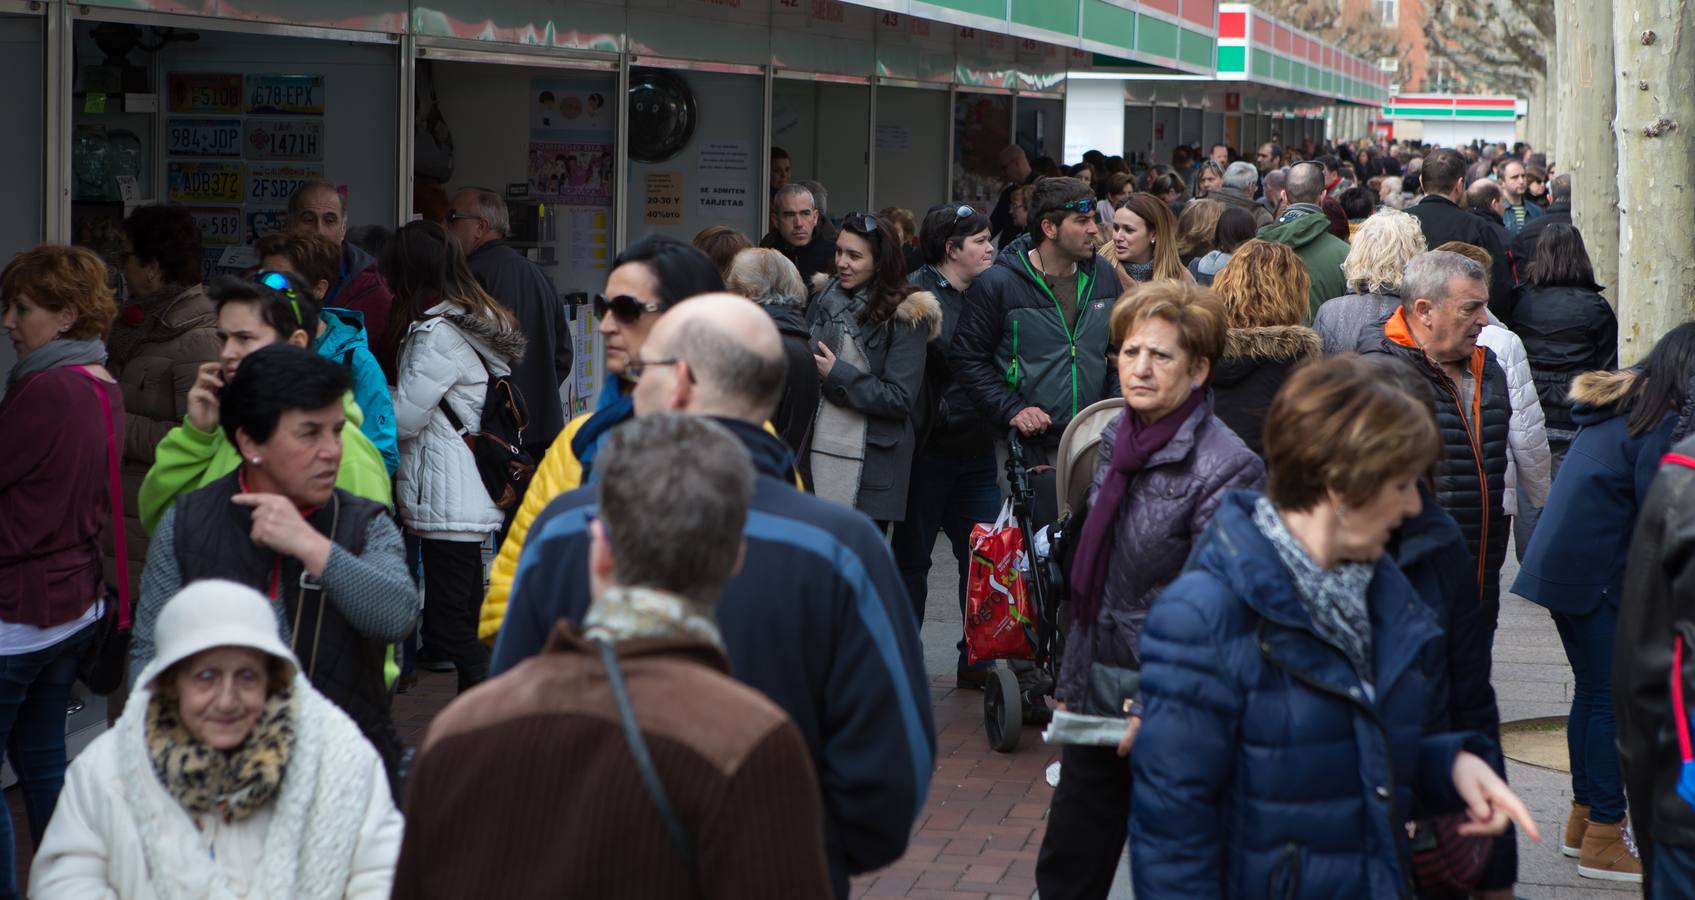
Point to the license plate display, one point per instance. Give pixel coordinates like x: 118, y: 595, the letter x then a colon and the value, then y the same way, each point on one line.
x: 292, y: 140
x: 218, y: 225
x: 203, y: 182
x: 261, y: 222
x: 203, y: 137
x: 285, y: 95
x: 204, y: 92
x: 270, y: 185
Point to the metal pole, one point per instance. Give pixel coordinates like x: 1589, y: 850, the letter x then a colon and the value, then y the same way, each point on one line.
x: 60, y: 75
x: 405, y: 140
x: 953, y: 127
x: 871, y: 149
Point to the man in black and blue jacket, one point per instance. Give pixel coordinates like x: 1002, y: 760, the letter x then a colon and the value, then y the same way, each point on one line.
x: 816, y: 619
x: 1031, y: 347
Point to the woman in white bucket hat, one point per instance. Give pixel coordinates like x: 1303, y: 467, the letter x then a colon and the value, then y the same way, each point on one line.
x: 228, y: 775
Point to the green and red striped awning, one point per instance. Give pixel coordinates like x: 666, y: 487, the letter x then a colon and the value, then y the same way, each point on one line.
x: 1451, y: 106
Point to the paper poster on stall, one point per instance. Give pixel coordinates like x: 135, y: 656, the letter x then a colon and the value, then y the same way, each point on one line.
x: 573, y: 174
x: 662, y: 198
x: 590, y: 239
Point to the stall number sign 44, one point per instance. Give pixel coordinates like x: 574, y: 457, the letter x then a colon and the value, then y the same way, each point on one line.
x: 203, y: 137
x: 275, y: 184
x: 288, y: 140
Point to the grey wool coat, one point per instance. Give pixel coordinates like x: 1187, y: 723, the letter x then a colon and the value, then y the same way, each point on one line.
x: 878, y: 392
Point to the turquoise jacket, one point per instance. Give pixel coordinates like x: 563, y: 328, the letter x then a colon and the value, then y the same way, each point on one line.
x: 344, y: 341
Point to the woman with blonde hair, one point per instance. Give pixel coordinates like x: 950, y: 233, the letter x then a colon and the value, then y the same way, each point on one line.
x: 1197, y: 229
x: 1377, y: 258
x: 1144, y: 243
x: 1208, y: 178
x: 1264, y: 292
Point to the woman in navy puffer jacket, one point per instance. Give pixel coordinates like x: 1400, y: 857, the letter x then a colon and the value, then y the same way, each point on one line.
x: 1285, y: 677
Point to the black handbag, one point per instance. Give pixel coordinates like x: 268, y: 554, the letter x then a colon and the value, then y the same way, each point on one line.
x: 103, y: 665
x: 1110, y: 689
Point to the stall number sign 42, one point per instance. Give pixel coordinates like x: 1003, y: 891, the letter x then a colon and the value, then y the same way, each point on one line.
x: 203, y: 137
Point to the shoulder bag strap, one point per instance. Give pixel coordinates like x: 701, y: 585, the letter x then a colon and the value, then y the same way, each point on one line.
x: 644, y: 761
x: 114, y: 464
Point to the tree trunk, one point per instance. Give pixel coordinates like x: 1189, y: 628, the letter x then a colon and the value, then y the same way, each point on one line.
x: 1654, y: 47
x: 1588, y: 148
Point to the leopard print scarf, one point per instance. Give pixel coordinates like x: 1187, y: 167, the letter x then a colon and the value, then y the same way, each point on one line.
x: 231, y: 784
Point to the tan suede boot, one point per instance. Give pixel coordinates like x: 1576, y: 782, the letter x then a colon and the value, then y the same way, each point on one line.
x: 1572, y: 846
x: 1609, y: 852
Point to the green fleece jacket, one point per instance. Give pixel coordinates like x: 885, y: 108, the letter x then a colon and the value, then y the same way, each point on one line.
x: 189, y: 459
x: 1322, y: 252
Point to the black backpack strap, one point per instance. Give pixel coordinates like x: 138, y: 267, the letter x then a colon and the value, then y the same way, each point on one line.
x: 644, y: 761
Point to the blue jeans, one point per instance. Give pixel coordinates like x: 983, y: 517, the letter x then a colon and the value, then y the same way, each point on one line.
x: 949, y: 493
x: 35, y: 693
x: 1597, y: 779
x: 1673, y: 877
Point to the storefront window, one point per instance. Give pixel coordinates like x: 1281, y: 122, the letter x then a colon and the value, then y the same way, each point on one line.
x: 229, y: 125
x: 982, y: 129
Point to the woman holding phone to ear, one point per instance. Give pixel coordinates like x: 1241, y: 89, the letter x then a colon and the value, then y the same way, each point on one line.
x: 870, y: 327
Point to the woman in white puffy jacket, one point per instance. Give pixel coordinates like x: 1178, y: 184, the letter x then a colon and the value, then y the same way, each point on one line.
x: 453, y: 338
x: 228, y: 775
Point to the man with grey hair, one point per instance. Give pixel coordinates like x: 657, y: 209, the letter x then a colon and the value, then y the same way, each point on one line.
x: 1240, y: 180
x: 1305, y: 228
x: 799, y: 235
x: 1558, y: 212
x: 818, y: 619
x: 320, y: 206
x: 1444, y: 307
x: 673, y: 497
x: 479, y: 221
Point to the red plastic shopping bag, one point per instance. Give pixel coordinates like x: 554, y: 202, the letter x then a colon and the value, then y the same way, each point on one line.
x: 999, y: 621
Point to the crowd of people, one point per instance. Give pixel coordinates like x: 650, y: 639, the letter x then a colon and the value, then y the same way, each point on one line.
x: 1347, y: 380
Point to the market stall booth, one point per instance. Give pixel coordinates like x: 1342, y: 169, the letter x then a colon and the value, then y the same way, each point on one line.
x: 1451, y: 120
x: 23, y: 170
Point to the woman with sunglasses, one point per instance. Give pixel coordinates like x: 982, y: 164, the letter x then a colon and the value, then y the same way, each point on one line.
x: 649, y: 277
x: 1144, y: 243
x: 870, y: 327
x: 273, y: 308
x: 453, y: 338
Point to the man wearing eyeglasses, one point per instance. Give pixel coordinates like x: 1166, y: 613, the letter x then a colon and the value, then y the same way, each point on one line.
x: 319, y: 206
x: 1031, y: 346
x: 798, y: 236
x: 478, y: 219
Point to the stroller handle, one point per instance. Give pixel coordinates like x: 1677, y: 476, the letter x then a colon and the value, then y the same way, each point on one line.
x: 1015, y: 445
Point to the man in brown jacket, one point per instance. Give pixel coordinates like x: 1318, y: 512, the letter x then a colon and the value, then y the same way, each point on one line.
x: 530, y: 785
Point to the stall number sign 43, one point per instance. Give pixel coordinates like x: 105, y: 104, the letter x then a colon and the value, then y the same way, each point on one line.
x: 203, y: 137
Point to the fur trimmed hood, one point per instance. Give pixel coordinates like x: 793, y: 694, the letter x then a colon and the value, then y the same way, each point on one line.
x: 920, y: 309
x: 493, y: 336
x: 1601, y: 389
x: 1278, y: 343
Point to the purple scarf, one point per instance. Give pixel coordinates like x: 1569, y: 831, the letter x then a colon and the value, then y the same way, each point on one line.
x: 1136, y: 443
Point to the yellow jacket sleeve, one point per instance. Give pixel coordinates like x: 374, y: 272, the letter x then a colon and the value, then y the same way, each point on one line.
x: 558, y: 473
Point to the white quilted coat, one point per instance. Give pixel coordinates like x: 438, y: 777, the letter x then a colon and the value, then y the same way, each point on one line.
x: 1529, y: 472
x: 331, y: 832
x: 448, y: 355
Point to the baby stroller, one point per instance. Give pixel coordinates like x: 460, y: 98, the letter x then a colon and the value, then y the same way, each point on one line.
x: 1052, y: 497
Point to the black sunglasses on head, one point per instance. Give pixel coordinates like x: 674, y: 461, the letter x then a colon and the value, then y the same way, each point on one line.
x: 861, y: 223
x: 625, y: 308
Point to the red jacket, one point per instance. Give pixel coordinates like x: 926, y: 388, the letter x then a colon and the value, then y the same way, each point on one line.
x: 54, y: 495
x: 363, y: 289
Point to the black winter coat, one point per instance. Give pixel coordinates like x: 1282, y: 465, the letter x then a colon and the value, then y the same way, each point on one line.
x: 1442, y: 222
x: 523, y: 288
x: 1657, y: 595
x: 946, y: 418
x: 793, y: 418
x: 1470, y: 486
x: 1256, y: 363
x: 817, y: 257
x: 1524, y: 243
x: 1566, y: 331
